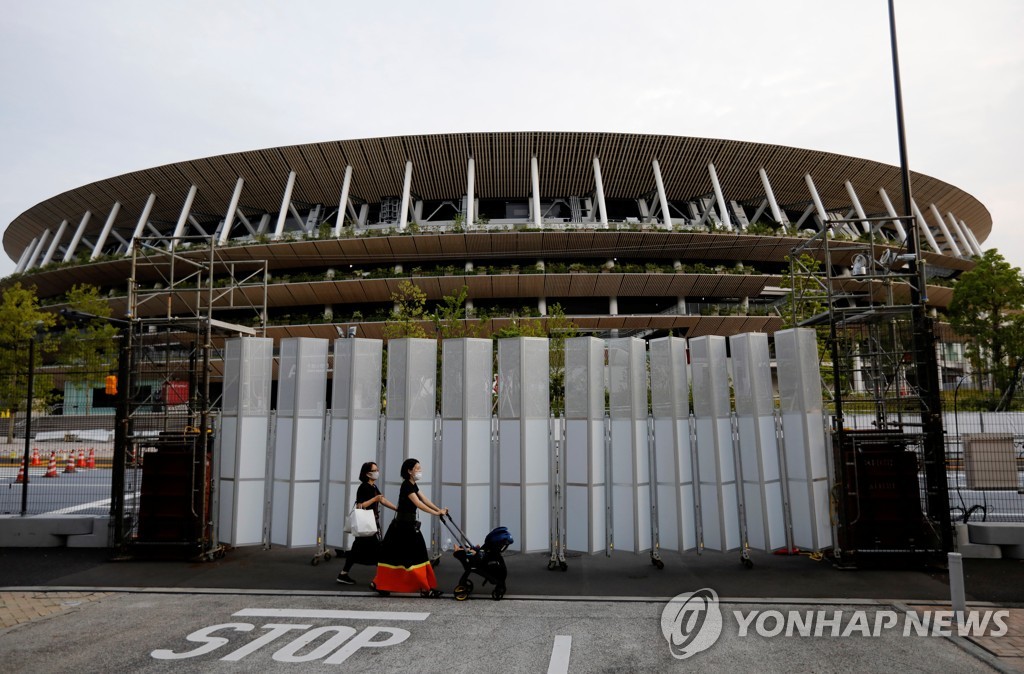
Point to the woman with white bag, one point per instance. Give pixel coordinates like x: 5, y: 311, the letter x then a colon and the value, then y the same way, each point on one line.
x: 365, y: 549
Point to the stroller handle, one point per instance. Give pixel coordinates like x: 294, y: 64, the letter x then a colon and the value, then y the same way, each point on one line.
x: 460, y: 536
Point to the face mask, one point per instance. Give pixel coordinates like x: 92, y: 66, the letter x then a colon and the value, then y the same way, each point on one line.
x: 418, y: 475
x: 372, y: 475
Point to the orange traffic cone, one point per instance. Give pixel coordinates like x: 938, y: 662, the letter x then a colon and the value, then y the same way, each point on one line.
x: 22, y: 477
x: 35, y: 457
x: 70, y: 468
x: 91, y: 461
x: 51, y: 470
x: 81, y: 458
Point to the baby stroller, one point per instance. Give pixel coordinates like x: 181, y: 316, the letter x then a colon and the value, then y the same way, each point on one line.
x: 485, y: 560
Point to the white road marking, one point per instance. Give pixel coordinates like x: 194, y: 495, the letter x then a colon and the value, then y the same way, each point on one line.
x: 86, y: 506
x: 559, y: 663
x: 323, y: 613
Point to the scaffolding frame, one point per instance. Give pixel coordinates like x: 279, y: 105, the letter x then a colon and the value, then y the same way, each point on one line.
x: 166, y: 416
x: 884, y: 388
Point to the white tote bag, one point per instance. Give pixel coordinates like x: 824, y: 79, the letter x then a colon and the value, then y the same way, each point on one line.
x: 361, y: 523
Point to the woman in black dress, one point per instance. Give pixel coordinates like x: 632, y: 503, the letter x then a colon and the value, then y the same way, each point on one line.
x: 404, y: 565
x: 366, y: 549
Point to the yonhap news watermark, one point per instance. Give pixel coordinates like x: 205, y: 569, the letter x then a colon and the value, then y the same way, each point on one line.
x: 692, y: 622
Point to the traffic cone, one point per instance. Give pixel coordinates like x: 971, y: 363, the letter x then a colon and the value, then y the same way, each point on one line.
x: 90, y: 463
x: 70, y: 468
x: 22, y: 478
x: 81, y: 458
x: 35, y: 457
x: 51, y: 470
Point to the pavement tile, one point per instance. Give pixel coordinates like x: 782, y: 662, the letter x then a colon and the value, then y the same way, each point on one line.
x: 22, y: 607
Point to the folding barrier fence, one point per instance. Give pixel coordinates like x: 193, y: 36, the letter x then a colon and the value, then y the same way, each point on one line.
x: 645, y: 471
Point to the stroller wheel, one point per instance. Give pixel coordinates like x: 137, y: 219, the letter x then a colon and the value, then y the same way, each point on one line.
x: 498, y: 593
x: 461, y: 592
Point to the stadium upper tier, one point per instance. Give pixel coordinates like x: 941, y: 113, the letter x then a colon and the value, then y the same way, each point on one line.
x: 519, y: 218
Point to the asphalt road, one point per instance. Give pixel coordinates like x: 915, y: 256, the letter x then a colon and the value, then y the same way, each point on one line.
x: 157, y: 632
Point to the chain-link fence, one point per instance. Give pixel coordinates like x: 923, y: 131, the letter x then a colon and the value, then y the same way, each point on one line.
x: 58, y: 395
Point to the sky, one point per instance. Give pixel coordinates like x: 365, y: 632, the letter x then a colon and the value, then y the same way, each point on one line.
x: 91, y: 90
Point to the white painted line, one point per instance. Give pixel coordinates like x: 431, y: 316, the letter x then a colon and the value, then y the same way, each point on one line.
x: 340, y: 615
x: 560, y: 655
x: 86, y: 506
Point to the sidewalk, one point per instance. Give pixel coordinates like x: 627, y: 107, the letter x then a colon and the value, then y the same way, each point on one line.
x: 38, y: 582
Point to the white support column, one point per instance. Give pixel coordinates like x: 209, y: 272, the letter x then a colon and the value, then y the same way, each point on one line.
x: 355, y: 427
x: 301, y: 411
x: 467, y: 378
x: 25, y: 255
x: 52, y: 250
x: 599, y: 188
x: 524, y: 460
x: 723, y: 209
x: 818, y: 206
x: 229, y: 217
x: 613, y: 306
x: 958, y: 231
x: 286, y: 202
x: 411, y: 407
x: 923, y: 227
x: 343, y: 204
x: 763, y: 502
x: 70, y: 252
x: 716, y: 463
x: 970, y: 234
x: 945, y: 230
x: 803, y: 429
x: 666, y: 214
x: 403, y: 215
x: 583, y: 456
x: 673, y: 453
x: 186, y: 210
x: 37, y: 249
x: 97, y: 250
x: 542, y: 306
x: 535, y: 199
x: 630, y: 465
x: 143, y: 221
x: 243, y: 439
x: 865, y: 225
x: 470, y: 192
x: 770, y: 196
x: 900, y: 229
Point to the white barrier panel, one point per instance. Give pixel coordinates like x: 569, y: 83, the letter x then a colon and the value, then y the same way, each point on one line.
x: 245, y: 422
x: 673, y: 469
x: 355, y: 426
x: 758, y: 443
x: 524, y: 470
x: 716, y: 464
x: 301, y: 409
x: 583, y: 456
x: 411, y: 405
x: 796, y: 352
x: 630, y: 464
x: 467, y: 378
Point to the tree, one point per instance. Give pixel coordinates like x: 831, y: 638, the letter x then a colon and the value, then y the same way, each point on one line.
x: 986, y: 308
x: 409, y: 302
x: 21, y: 322
x: 450, y: 318
x: 89, y: 347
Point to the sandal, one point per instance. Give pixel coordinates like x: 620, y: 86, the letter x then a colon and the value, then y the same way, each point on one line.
x: 383, y: 593
x: 430, y: 594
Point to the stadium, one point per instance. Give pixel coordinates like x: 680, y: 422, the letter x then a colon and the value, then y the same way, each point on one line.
x: 630, y: 235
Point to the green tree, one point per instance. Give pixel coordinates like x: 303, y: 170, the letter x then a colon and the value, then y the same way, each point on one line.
x: 88, y: 348
x: 450, y: 318
x: 986, y: 308
x: 409, y: 301
x: 21, y: 322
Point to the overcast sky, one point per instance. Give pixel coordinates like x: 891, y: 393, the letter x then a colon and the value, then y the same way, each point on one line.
x: 94, y: 89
